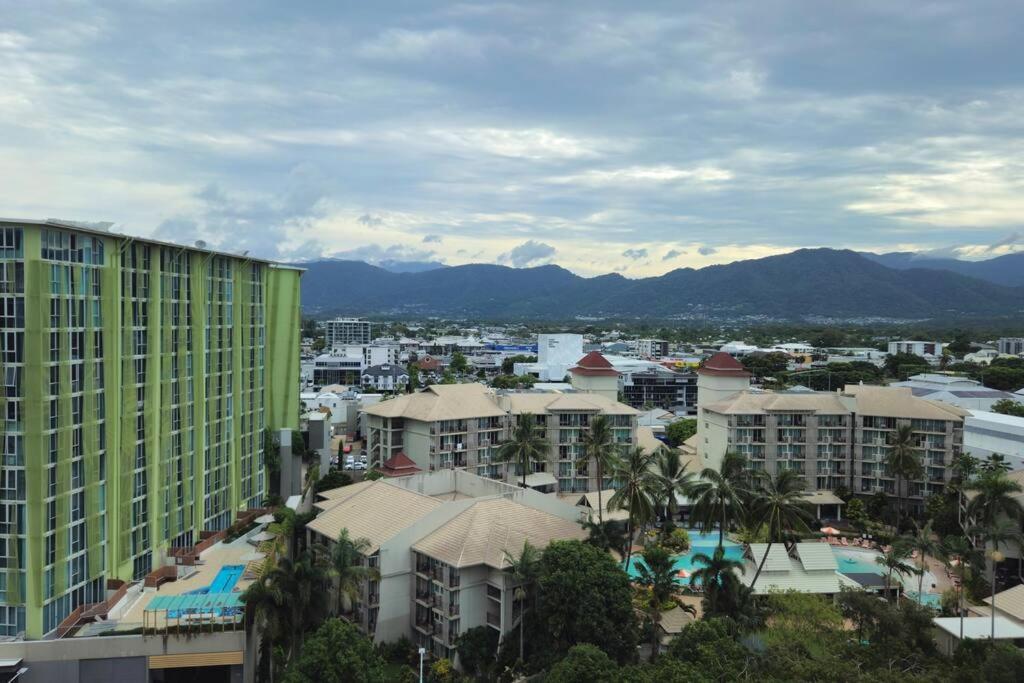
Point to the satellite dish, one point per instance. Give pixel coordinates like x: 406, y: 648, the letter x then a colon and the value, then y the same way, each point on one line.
x: 200, y: 244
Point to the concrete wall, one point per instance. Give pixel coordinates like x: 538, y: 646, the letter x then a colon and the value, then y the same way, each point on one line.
x: 712, y: 438
x: 109, y: 658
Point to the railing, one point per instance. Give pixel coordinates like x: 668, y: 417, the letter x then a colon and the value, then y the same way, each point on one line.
x: 493, y: 620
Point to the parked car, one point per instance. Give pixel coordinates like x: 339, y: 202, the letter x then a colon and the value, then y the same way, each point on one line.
x: 349, y: 462
x: 359, y: 466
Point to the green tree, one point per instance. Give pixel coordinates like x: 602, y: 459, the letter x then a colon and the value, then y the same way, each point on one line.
x: 337, y: 653
x: 477, y: 648
x: 924, y: 542
x: 508, y: 363
x: 780, y: 505
x: 995, y: 496
x: 600, y: 447
x: 526, y: 446
x: 903, y: 461
x: 583, y: 596
x: 637, y: 483
x: 523, y: 568
x: 716, y: 576
x: 334, y: 479
x: 679, y: 431
x: 857, y: 515
x: 267, y: 614
x: 712, y: 649
x: 459, y: 364
x: 995, y: 462
x: 1007, y: 406
x: 607, y: 535
x: 902, y: 365
x: 894, y: 561
x: 960, y: 557
x: 1001, y: 532
x: 671, y: 479
x: 961, y: 343
x: 414, y: 376
x: 718, y: 497
x: 584, y: 663
x: 658, y: 573
x: 344, y: 561
x: 302, y: 582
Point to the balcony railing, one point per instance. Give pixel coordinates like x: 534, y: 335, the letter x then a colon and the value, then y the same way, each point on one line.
x: 493, y: 620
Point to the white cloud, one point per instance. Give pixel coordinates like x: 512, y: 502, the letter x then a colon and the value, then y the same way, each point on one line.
x: 707, y: 175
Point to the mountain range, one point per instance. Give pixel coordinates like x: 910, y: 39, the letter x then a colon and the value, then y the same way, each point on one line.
x: 801, y: 284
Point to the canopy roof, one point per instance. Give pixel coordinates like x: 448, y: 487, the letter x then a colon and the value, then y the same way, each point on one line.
x: 194, y: 603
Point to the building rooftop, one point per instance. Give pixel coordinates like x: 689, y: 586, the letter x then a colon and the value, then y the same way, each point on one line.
x: 441, y: 402
x: 594, y: 365
x: 900, y: 402
x: 1010, y: 601
x: 482, y: 534
x: 399, y: 465
x: 375, y: 512
x: 980, y: 628
x: 759, y: 402
x: 723, y: 365
x: 526, y: 402
x: 809, y: 568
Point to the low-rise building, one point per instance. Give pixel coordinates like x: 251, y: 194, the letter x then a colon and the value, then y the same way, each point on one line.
x: 987, y: 433
x: 925, y: 349
x: 389, y: 378
x: 959, y: 391
x: 439, y: 541
x: 1013, y: 346
x: 332, y: 369
x: 660, y: 387
x: 655, y: 349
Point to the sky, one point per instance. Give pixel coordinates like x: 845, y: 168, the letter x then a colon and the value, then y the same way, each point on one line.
x: 630, y: 137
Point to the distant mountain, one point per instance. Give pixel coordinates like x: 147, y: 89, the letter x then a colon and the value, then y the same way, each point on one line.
x: 1005, y: 270
x: 804, y: 283
x: 410, y: 266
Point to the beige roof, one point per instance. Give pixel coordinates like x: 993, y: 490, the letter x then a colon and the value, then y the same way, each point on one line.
x: 901, y: 402
x: 758, y: 402
x: 675, y: 620
x: 534, y: 402
x: 823, y: 498
x: 1010, y: 601
x: 778, y: 558
x: 646, y: 440
x: 689, y: 446
x: 485, y: 531
x: 441, y: 402
x: 376, y: 512
x: 332, y: 497
x: 589, y: 499
x: 816, y: 556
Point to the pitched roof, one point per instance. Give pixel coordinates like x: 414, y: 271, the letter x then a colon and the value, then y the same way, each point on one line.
x: 816, y: 556
x: 778, y: 558
x: 595, y: 365
x: 646, y: 440
x: 398, y: 465
x: 1010, y: 601
x: 487, y: 529
x: 724, y: 365
x: 809, y: 570
x: 758, y: 402
x: 535, y: 402
x: 900, y: 402
x: 441, y: 402
x: 375, y: 512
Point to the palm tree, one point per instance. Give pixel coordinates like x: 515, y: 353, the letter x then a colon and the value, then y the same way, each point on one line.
x: 634, y: 495
x: 1002, y: 532
x: 658, y: 572
x: 523, y: 569
x: 780, y: 505
x: 904, y: 462
x: 671, y: 478
x: 267, y: 615
x: 923, y: 542
x: 344, y: 561
x: 894, y: 561
x: 301, y: 583
x: 996, y: 462
x: 610, y: 535
x: 599, y: 445
x: 527, y: 445
x: 716, y: 574
x: 717, y: 500
x: 995, y: 497
x: 958, y: 555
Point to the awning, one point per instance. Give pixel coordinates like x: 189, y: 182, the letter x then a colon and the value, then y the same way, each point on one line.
x: 540, y: 479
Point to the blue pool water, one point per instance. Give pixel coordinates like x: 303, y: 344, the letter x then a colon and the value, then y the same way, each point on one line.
x: 223, y: 582
x: 930, y: 599
x: 705, y: 543
x: 857, y: 561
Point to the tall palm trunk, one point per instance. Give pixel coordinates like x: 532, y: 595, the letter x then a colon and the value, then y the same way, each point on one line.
x: 764, y: 558
x: 920, y: 581
x: 629, y: 538
x: 992, y: 581
x: 960, y: 605
x: 899, y: 501
x: 523, y: 465
x: 721, y: 528
x: 600, y: 505
x: 655, y: 620
x: 522, y: 620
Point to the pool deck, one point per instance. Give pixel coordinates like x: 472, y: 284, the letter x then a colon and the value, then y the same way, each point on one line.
x: 214, y: 559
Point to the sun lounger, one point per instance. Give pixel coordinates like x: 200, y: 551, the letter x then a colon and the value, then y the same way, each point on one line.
x: 843, y: 541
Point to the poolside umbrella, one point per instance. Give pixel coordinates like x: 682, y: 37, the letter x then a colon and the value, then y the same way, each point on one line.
x: 830, y: 531
x: 264, y: 519
x: 262, y: 536
x: 683, y: 574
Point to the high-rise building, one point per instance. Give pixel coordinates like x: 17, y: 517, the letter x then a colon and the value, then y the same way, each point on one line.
x: 1013, y: 346
x: 346, y: 331
x: 138, y: 379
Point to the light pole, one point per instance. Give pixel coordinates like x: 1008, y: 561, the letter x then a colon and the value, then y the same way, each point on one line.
x: 422, y: 652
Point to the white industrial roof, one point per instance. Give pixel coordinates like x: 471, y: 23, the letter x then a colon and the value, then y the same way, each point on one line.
x: 976, y: 628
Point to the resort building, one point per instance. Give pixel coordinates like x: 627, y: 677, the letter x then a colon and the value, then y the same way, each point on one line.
x: 139, y: 377
x: 462, y: 425
x: 806, y: 567
x: 832, y: 438
x: 439, y: 541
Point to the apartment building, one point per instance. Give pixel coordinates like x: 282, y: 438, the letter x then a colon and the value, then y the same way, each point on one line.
x: 386, y: 377
x: 925, y: 349
x: 661, y: 388
x: 1013, y: 346
x: 138, y: 379
x: 439, y: 542
x: 347, y: 332
x: 655, y: 349
x: 840, y: 438
x: 331, y: 369
x: 462, y: 426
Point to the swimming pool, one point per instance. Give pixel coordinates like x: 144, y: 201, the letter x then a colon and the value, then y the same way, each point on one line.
x: 705, y: 543
x: 852, y: 561
x: 223, y: 582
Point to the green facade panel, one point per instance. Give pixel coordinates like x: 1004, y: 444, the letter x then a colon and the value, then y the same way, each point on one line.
x: 139, y: 377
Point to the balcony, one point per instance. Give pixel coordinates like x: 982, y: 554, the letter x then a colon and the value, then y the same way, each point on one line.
x: 453, y: 610
x: 423, y: 624
x: 494, y: 593
x: 494, y: 620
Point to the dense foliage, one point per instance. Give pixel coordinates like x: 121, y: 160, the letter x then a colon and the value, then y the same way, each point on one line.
x: 679, y: 431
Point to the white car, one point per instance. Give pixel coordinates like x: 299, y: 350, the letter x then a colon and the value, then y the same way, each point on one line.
x: 349, y: 462
x: 359, y: 466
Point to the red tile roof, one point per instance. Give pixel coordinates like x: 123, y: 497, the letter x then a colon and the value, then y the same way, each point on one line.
x: 723, y: 365
x: 399, y: 465
x: 594, y: 365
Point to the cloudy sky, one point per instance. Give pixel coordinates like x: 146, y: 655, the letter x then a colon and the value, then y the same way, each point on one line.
x: 636, y: 137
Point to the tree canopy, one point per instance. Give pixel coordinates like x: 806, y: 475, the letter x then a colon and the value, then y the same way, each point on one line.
x: 337, y: 653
